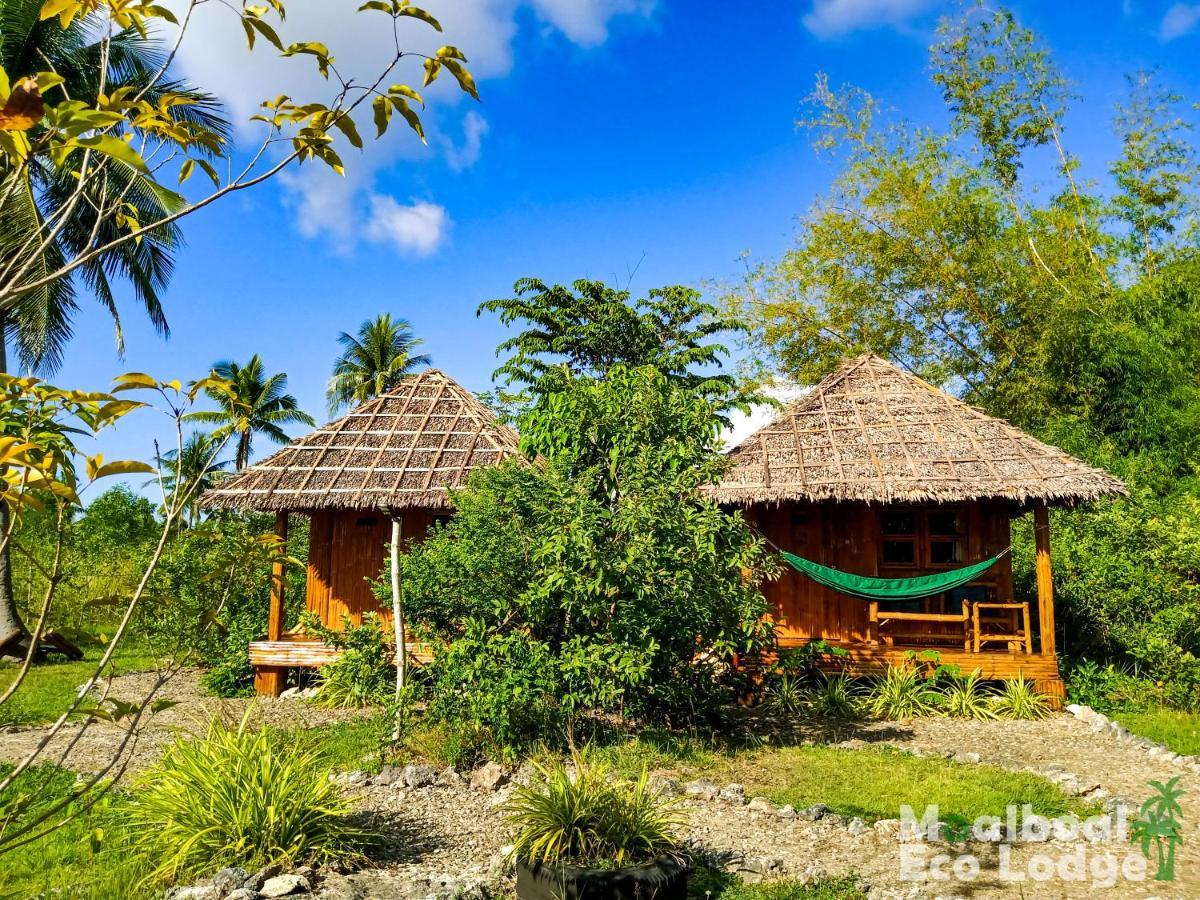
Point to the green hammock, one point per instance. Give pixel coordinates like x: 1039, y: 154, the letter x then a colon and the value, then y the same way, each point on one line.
x: 868, y: 588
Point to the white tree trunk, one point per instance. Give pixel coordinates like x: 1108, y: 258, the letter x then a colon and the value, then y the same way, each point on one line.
x: 398, y: 622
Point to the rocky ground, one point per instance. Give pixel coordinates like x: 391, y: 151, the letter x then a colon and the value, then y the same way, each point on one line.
x: 445, y: 836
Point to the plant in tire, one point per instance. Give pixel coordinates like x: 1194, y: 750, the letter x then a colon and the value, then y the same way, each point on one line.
x: 239, y: 797
x: 579, y: 815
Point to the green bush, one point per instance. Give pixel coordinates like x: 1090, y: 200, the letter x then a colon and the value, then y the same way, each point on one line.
x: 902, y: 692
x: 238, y: 797
x: 835, y: 698
x: 1019, y: 699
x: 595, y: 581
x: 364, y: 674
x: 965, y: 697
x: 581, y: 815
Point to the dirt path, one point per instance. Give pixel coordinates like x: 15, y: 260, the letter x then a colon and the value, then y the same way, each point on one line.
x: 91, y: 748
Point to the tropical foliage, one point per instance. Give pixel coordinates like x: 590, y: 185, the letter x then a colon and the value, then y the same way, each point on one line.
x: 374, y: 361
x: 582, y: 815
x: 597, y: 579
x: 255, y: 403
x: 193, y: 467
x: 1067, y: 309
x: 237, y: 797
x: 589, y: 328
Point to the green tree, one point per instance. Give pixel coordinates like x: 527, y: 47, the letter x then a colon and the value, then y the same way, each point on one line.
x: 255, y: 403
x: 589, y: 328
x: 570, y: 587
x: 195, y: 469
x: 374, y: 361
x: 40, y: 325
x: 1156, y: 168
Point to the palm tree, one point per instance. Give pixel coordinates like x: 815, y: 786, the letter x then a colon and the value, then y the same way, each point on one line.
x: 40, y: 325
x: 196, y: 469
x: 255, y: 404
x: 374, y: 361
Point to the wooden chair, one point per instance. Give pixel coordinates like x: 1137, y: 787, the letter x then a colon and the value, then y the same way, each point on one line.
x: 1011, y: 633
x: 876, y: 620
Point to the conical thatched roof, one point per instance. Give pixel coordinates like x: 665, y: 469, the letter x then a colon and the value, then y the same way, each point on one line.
x: 403, y: 448
x: 872, y: 432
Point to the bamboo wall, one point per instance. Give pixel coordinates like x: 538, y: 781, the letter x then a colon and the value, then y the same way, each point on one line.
x: 846, y: 536
x: 347, y: 551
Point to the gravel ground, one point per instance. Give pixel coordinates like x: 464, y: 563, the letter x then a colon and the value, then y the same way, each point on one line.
x: 93, y: 746
x: 444, y: 832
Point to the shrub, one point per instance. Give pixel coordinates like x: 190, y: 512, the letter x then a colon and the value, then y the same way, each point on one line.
x: 965, y: 697
x: 596, y: 581
x: 584, y: 817
x: 364, y: 673
x: 901, y: 693
x: 834, y: 698
x: 237, y: 797
x: 1019, y: 699
x: 786, y: 696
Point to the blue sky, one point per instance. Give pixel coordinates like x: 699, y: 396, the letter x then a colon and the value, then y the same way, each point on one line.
x: 628, y: 140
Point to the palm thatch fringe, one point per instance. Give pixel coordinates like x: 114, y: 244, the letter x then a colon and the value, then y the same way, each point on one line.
x: 872, y: 432
x: 401, y: 449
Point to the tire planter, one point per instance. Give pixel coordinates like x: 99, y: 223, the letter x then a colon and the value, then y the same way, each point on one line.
x: 663, y: 879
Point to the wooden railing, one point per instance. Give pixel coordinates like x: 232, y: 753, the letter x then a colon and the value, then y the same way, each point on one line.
x: 975, y: 633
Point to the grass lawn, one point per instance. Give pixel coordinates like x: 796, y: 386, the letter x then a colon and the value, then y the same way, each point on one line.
x: 81, y: 859
x: 1177, y: 729
x: 352, y: 744
x: 50, y: 686
x: 710, y: 884
x: 871, y: 783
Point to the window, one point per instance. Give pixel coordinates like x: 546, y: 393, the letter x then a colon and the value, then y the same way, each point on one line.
x: 922, y: 538
x: 899, y: 533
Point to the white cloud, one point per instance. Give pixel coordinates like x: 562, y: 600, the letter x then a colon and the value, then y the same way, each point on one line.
x: 743, y: 424
x: 462, y: 157
x: 585, y: 22
x: 417, y: 229
x: 830, y: 19
x: 1180, y: 19
x: 344, y: 210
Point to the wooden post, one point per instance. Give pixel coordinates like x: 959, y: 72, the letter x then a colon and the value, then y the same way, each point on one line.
x: 873, y: 622
x: 1045, y: 580
x: 268, y: 680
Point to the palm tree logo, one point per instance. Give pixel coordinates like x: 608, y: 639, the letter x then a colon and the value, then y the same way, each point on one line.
x: 1158, y: 827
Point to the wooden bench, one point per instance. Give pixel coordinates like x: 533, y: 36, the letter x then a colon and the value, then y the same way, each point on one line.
x: 876, y: 620
x: 1015, y: 635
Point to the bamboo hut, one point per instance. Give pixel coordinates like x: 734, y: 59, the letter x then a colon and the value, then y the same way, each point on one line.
x: 875, y: 472
x: 392, y: 458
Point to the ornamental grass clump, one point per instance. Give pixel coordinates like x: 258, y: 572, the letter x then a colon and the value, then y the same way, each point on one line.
x: 965, y: 697
x: 238, y: 797
x: 902, y: 692
x: 1019, y: 699
x: 835, y: 698
x: 580, y: 815
x: 363, y: 674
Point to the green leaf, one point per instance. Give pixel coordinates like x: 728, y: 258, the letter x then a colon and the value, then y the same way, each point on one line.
x: 268, y: 32
x: 450, y: 52
x: 210, y: 171
x: 185, y: 171
x: 114, y: 148
x: 124, y: 467
x: 346, y: 126
x: 416, y: 13
x: 410, y: 116
x: 404, y: 90
x: 432, y: 68
x: 465, y: 80
x: 376, y: 4
x: 382, y: 108
x: 132, y: 380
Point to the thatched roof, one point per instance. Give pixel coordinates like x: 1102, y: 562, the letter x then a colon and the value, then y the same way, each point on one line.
x: 403, y: 448
x: 872, y: 432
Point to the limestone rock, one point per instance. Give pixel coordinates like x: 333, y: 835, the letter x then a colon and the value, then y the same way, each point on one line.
x: 733, y: 793
x: 814, y: 812
x: 195, y: 892
x: 663, y: 786
x: 857, y: 826
x: 787, y: 811
x: 387, y: 776
x: 702, y: 789
x: 285, y: 886
x: 227, y: 880
x: 415, y: 776
x: 488, y: 777
x: 762, y: 805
